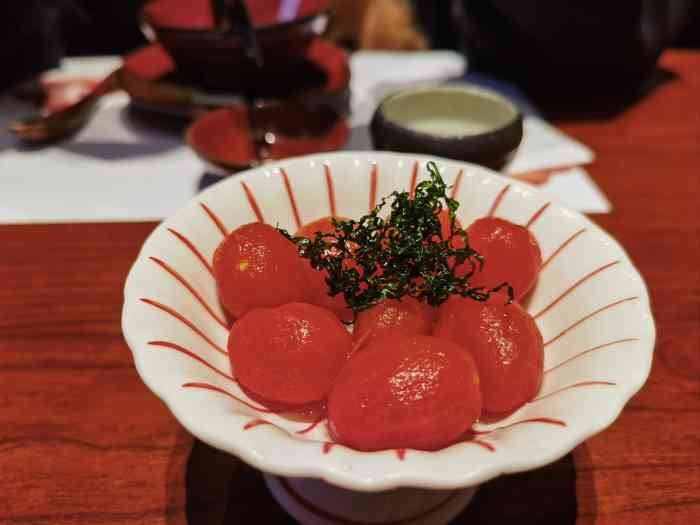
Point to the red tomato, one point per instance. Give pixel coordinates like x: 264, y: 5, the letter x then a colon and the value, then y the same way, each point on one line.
x: 317, y: 292
x: 289, y: 355
x: 511, y: 254
x: 255, y: 266
x: 410, y: 392
x: 393, y: 318
x: 324, y: 225
x: 505, y: 343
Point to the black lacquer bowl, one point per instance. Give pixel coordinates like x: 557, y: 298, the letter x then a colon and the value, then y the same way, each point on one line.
x: 460, y: 122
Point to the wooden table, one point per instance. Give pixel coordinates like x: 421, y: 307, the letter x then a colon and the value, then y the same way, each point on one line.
x: 83, y: 441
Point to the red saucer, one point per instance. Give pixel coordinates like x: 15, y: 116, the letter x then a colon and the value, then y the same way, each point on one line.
x: 238, y: 137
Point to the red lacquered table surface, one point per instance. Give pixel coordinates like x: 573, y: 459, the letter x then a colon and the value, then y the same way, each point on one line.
x: 83, y: 441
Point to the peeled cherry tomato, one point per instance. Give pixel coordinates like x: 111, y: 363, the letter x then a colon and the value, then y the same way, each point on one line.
x: 505, y: 343
x: 289, y: 355
x: 393, y: 318
x: 511, y: 254
x: 317, y: 292
x: 323, y: 225
x: 254, y: 267
x: 408, y: 392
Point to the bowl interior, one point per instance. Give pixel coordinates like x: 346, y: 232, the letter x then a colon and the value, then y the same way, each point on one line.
x: 449, y: 111
x: 590, y: 304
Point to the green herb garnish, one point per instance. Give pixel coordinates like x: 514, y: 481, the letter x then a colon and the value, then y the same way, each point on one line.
x: 407, y: 246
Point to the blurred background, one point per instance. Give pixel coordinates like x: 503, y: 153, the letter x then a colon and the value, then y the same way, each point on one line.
x: 589, y: 44
x: 84, y: 90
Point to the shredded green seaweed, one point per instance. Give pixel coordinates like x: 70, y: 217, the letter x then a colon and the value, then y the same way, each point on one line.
x: 403, y: 254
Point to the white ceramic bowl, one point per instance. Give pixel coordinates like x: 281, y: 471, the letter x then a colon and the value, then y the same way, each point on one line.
x: 590, y: 304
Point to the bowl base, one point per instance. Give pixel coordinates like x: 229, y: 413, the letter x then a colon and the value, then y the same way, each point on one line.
x: 314, y: 502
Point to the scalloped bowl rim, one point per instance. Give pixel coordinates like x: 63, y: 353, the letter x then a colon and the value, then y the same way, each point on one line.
x: 339, y: 472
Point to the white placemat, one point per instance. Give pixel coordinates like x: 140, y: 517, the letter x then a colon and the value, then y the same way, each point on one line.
x: 120, y: 168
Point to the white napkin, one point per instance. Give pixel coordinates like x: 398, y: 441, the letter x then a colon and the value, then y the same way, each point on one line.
x: 574, y: 188
x: 546, y: 149
x: 115, y: 169
x: 544, y: 146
